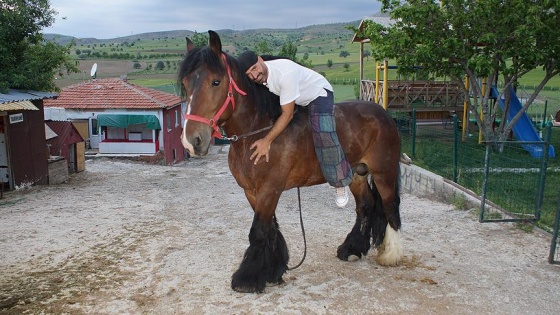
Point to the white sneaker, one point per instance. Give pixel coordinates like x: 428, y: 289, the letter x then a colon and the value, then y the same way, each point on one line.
x: 342, y: 196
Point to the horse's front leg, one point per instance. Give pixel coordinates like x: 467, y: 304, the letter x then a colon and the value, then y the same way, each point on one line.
x: 266, y: 259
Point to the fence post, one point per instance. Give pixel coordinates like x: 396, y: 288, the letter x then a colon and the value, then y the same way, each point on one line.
x: 544, y: 166
x: 455, y: 149
x: 414, y: 133
x: 484, y: 181
x: 554, y: 241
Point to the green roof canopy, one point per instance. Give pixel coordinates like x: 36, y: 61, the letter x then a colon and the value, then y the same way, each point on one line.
x: 124, y: 120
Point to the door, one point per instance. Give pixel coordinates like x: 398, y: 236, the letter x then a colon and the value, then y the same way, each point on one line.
x: 71, y: 158
x: 4, y: 167
x: 93, y: 134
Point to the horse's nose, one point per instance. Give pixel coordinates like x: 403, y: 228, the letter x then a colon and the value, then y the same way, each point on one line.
x: 186, y: 144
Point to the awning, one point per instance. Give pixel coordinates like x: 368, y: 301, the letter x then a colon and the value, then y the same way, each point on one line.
x: 21, y: 105
x: 124, y: 120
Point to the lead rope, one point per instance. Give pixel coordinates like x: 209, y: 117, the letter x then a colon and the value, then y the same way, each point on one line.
x: 302, y: 232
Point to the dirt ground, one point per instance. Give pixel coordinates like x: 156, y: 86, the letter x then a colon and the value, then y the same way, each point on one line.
x: 126, y: 237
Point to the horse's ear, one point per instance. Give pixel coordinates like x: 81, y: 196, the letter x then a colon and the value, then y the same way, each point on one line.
x: 190, y: 44
x: 215, y: 42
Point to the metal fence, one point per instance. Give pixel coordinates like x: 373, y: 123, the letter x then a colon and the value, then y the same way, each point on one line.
x: 554, y: 256
x: 508, y: 180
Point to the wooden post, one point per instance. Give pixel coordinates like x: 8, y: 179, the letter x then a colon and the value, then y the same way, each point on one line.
x: 465, y: 108
x: 482, y: 111
x: 377, y: 74
x: 385, y: 83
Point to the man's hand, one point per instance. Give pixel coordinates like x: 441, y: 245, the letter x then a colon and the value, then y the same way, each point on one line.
x: 262, y: 147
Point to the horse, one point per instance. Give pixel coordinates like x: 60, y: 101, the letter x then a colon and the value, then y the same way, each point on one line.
x: 219, y: 97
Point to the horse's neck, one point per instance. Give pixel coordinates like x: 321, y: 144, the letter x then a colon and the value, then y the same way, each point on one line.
x: 245, y: 119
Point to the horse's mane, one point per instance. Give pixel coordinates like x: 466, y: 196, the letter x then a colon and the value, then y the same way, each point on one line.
x: 266, y: 102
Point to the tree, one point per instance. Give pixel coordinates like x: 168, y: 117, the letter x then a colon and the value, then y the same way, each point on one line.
x: 329, y: 63
x: 288, y: 50
x: 160, y: 65
x: 367, y: 53
x: 346, y: 66
x: 494, y: 39
x: 199, y: 39
x: 344, y: 54
x: 261, y: 48
x: 26, y: 61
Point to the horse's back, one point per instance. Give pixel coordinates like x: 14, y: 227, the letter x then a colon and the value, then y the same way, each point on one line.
x: 366, y: 130
x: 363, y: 108
x: 357, y: 117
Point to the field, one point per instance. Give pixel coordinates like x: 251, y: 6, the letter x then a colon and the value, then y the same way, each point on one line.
x: 137, y: 57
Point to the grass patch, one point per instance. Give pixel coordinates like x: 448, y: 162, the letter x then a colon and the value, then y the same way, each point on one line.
x: 526, y: 227
x: 459, y: 202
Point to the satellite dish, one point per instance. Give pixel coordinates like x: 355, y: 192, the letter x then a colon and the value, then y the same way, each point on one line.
x: 93, y: 70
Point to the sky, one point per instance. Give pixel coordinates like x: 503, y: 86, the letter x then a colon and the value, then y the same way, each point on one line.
x: 104, y: 19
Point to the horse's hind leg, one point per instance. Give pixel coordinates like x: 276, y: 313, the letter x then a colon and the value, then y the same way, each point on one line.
x: 390, y: 252
x: 357, y: 242
x: 377, y: 218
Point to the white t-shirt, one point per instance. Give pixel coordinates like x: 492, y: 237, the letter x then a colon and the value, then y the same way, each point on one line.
x: 294, y: 82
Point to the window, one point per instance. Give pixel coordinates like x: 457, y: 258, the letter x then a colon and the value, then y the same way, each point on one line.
x: 177, y: 118
x: 94, y: 127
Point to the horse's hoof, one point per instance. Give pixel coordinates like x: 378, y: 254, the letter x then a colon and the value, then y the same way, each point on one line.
x: 243, y: 289
x: 343, y: 253
x: 276, y: 283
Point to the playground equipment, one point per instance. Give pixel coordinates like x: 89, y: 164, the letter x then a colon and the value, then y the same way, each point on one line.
x: 523, y: 130
x: 434, y: 101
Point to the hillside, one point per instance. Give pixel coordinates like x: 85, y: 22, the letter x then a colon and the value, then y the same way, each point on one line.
x: 325, y: 31
x: 139, y: 56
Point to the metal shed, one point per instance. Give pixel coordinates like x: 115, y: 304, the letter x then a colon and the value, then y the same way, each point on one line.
x: 23, y: 149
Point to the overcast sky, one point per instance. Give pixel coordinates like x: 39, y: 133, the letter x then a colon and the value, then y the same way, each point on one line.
x: 115, y: 18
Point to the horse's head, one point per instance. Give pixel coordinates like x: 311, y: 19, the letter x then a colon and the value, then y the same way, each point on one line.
x: 207, y: 87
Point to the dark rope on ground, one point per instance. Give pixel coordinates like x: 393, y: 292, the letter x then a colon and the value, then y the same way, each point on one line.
x: 302, y: 232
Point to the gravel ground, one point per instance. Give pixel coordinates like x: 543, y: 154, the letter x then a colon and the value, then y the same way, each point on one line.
x: 135, y: 238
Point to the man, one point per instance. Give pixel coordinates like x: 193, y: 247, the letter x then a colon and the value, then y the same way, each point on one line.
x: 296, y: 84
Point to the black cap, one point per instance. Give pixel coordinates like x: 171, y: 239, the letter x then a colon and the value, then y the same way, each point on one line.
x: 246, y: 60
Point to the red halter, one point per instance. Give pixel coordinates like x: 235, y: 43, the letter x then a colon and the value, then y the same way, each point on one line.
x: 213, y: 122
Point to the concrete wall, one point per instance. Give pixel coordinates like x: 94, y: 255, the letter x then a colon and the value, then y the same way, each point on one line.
x: 58, y: 170
x: 422, y: 183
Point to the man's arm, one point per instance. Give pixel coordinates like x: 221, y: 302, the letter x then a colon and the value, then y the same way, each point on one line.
x: 262, y: 146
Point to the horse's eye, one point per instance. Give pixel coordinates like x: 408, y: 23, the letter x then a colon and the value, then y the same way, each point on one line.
x: 215, y: 82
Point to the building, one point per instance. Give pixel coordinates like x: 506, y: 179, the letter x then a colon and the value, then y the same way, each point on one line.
x: 120, y: 118
x: 65, y: 141
x: 23, y: 150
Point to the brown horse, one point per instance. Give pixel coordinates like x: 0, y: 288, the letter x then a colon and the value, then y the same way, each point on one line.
x: 219, y: 96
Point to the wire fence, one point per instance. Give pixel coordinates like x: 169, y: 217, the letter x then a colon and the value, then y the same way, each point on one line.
x: 554, y: 255
x: 508, y: 177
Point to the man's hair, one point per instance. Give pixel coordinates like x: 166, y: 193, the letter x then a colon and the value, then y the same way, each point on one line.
x: 246, y: 60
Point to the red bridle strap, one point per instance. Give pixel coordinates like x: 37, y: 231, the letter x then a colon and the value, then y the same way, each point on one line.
x: 214, y: 121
